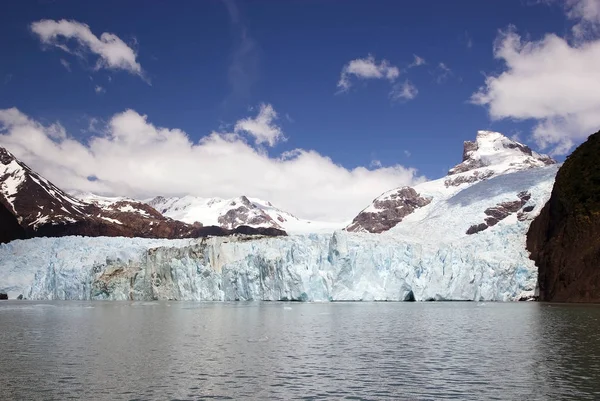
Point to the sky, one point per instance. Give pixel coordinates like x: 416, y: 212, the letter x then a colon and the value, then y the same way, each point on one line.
x: 318, y: 106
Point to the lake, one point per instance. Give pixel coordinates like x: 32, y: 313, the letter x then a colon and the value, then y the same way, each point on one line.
x: 264, y: 351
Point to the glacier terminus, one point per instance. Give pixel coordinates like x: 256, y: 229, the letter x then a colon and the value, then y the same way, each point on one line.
x: 431, y: 253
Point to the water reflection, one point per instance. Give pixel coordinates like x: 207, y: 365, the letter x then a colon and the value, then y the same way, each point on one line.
x: 122, y: 350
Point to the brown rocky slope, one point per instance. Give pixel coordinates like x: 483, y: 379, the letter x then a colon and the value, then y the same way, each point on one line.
x: 564, y: 240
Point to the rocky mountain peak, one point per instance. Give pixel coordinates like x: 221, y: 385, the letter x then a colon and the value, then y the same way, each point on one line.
x: 31, y: 206
x: 388, y: 210
x: 494, y: 149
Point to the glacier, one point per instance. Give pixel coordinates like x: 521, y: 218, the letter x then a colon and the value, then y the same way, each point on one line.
x: 426, y: 257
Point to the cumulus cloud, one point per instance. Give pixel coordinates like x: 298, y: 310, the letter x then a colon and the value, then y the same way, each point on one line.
x: 552, y: 81
x: 112, y: 52
x: 132, y: 157
x: 366, y: 68
x: 262, y: 127
x: 404, y: 91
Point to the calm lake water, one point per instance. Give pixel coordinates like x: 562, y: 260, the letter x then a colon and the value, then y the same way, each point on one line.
x: 264, y: 351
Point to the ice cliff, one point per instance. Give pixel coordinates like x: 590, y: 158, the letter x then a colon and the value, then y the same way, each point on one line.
x: 427, y: 257
x: 461, y: 237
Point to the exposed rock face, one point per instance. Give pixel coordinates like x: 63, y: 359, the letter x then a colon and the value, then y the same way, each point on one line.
x: 494, y: 148
x: 226, y: 213
x: 490, y: 153
x: 245, y: 212
x: 456, y: 180
x: 31, y: 206
x: 503, y: 210
x: 564, y: 240
x: 388, y: 210
x: 9, y: 226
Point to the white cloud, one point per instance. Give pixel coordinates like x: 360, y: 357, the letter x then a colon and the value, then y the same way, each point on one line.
x: 99, y: 89
x: 375, y: 164
x: 407, y: 153
x: 404, y: 91
x: 366, y: 68
x: 587, y: 15
x: 112, y: 52
x: 443, y: 73
x: 132, y: 157
x: 65, y: 64
x: 262, y: 127
x: 418, y: 61
x: 551, y: 81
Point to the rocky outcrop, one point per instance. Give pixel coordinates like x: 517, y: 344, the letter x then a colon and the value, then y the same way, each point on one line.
x: 245, y: 212
x: 9, y: 226
x: 564, y: 240
x: 494, y: 148
x: 388, y: 210
x: 456, y: 180
x: 502, y: 210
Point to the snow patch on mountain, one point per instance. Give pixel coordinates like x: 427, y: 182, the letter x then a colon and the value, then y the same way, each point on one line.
x: 230, y: 213
x: 490, y: 155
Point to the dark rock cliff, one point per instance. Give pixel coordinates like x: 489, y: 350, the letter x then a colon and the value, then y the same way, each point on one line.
x: 10, y: 229
x: 564, y: 240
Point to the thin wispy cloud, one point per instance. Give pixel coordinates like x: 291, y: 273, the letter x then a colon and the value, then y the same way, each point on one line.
x: 65, y: 64
x: 244, y: 65
x: 99, y: 89
x: 417, y: 62
x: 77, y: 38
x: 443, y: 72
x: 468, y: 40
x: 404, y: 91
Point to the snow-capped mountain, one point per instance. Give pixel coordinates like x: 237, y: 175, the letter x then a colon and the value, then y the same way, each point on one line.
x: 491, y: 154
x: 42, y: 209
x: 462, y: 237
x: 231, y: 213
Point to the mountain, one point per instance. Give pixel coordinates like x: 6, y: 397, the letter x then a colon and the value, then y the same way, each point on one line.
x: 41, y: 209
x: 462, y: 237
x: 231, y: 213
x: 490, y: 155
x: 564, y: 240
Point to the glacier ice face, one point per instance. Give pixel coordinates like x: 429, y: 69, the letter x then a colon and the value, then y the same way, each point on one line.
x: 426, y: 257
x: 343, y: 266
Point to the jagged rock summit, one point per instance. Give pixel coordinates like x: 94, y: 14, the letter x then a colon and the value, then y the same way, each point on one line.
x: 40, y: 208
x: 491, y: 154
x: 492, y: 149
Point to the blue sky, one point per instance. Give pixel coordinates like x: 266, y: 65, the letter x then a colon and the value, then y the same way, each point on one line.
x: 208, y: 64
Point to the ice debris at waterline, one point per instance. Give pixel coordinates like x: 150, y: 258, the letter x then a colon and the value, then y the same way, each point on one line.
x: 342, y: 266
